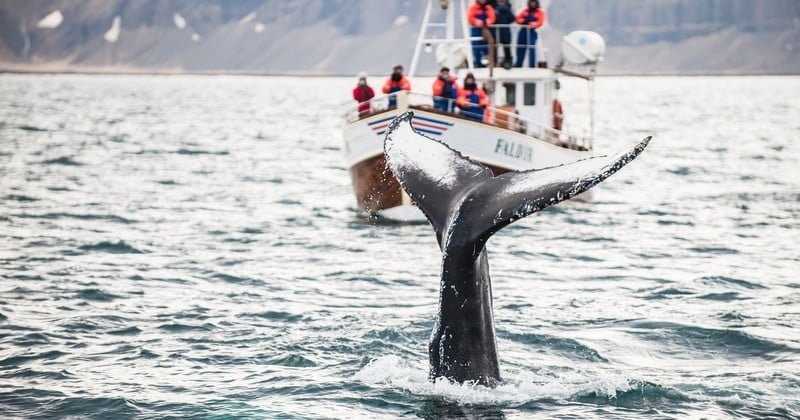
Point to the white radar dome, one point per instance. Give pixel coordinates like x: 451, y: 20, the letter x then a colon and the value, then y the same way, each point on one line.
x: 583, y: 47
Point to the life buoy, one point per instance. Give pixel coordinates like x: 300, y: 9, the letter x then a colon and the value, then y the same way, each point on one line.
x: 558, y: 115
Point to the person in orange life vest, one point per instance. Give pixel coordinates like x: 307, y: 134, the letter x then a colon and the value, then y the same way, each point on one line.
x: 363, y: 93
x: 531, y: 18
x: 472, y: 99
x: 445, y: 91
x: 480, y: 15
x: 395, y: 83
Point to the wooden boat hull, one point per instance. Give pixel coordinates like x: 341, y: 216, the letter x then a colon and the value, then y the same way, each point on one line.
x: 375, y: 187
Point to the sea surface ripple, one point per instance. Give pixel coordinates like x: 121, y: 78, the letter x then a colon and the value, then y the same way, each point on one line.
x: 189, y: 247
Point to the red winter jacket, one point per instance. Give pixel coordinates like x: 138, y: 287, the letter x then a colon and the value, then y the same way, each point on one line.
x: 477, y: 13
x: 363, y: 94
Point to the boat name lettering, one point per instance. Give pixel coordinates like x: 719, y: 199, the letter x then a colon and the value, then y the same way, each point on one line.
x: 514, y: 150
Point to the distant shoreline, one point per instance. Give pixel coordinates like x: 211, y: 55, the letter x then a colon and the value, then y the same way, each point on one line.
x: 4, y: 69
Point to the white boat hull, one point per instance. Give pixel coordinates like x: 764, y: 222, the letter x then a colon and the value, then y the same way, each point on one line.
x: 498, y: 148
x: 489, y: 144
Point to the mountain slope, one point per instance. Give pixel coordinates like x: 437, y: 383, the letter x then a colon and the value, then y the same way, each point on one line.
x: 345, y: 36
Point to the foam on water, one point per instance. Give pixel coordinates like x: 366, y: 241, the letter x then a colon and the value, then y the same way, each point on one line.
x: 516, y: 389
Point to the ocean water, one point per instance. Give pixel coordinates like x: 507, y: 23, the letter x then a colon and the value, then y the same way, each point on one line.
x: 189, y: 247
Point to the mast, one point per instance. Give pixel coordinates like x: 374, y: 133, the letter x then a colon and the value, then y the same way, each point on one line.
x: 446, y: 39
x: 420, y: 39
x: 466, y: 32
x: 450, y: 29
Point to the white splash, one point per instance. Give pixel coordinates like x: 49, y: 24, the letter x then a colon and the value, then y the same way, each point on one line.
x: 195, y: 37
x: 180, y: 22
x: 400, y: 20
x: 51, y: 21
x: 518, y: 388
x: 259, y: 28
x: 112, y: 34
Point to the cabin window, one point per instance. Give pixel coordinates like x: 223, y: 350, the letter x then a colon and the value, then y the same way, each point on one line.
x: 511, y: 93
x: 530, y: 93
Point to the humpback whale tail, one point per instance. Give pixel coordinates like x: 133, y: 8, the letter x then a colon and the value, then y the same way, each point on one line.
x: 466, y: 205
x: 449, y: 188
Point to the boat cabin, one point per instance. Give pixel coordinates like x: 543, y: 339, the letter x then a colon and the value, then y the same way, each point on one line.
x: 527, y: 92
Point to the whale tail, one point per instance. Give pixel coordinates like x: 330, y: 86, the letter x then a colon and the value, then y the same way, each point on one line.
x: 466, y: 205
x: 452, y: 190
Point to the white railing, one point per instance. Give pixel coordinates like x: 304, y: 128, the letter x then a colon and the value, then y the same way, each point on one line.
x: 444, y: 32
x: 512, y: 45
x: 577, y: 137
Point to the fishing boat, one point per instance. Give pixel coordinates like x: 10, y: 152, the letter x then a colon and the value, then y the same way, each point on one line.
x: 522, y: 127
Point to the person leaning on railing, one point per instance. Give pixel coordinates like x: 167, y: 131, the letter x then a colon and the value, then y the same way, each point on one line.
x: 395, y: 83
x: 445, y: 91
x: 480, y: 15
x: 472, y: 100
x: 531, y: 18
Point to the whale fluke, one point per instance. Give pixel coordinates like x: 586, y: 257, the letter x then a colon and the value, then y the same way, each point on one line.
x: 466, y: 205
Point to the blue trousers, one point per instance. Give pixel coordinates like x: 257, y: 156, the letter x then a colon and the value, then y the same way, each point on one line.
x: 444, y: 104
x: 474, y: 113
x: 526, y: 41
x: 479, y: 47
x: 393, y: 99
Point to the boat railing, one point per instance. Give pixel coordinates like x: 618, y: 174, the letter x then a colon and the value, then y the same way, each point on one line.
x: 380, y: 104
x: 575, y: 137
x: 498, y: 47
x: 513, y: 29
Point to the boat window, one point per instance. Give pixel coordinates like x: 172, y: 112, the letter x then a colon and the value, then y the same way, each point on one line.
x: 511, y: 93
x: 530, y: 93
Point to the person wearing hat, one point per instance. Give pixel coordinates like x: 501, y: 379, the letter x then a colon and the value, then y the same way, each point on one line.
x: 363, y: 93
x: 445, y: 91
x: 531, y: 18
x: 395, y: 83
x: 472, y: 99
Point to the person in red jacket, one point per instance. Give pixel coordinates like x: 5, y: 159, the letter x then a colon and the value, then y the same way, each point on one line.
x: 480, y: 15
x: 395, y: 83
x: 531, y: 18
x: 445, y: 91
x: 472, y: 99
x: 363, y: 93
